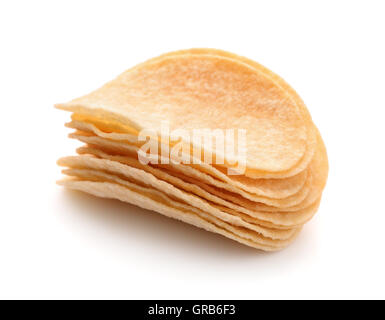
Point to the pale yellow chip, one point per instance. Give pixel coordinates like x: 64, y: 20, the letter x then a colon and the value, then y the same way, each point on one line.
x: 91, y: 174
x: 129, y: 149
x: 271, y: 188
x: 141, y: 176
x: 300, y: 217
x: 160, y: 203
x: 319, y: 163
x: 198, y: 91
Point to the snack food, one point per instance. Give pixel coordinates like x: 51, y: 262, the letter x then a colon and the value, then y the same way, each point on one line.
x: 255, y: 173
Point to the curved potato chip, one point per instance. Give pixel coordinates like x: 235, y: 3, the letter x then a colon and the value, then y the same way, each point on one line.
x: 91, y: 174
x: 197, y: 91
x: 132, y: 149
x: 170, y: 208
x: 271, y: 188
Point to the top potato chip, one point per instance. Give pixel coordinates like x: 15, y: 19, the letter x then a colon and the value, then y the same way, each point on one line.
x: 198, y: 90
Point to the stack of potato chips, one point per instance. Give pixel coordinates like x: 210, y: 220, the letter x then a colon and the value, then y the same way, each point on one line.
x: 259, y: 187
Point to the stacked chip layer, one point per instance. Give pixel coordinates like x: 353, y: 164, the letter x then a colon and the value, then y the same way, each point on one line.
x: 261, y: 199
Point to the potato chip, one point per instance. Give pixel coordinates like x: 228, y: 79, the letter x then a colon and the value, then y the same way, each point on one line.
x: 199, y: 91
x: 143, y: 177
x: 182, y: 183
x: 233, y: 219
x: 271, y: 188
x: 148, y: 199
x: 120, y: 147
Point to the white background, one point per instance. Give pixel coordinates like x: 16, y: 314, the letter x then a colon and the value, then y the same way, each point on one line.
x: 61, y: 244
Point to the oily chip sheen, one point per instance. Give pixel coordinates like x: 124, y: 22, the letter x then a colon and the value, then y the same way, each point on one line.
x: 262, y: 204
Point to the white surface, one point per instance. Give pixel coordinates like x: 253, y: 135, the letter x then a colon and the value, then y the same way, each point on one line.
x: 61, y: 244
